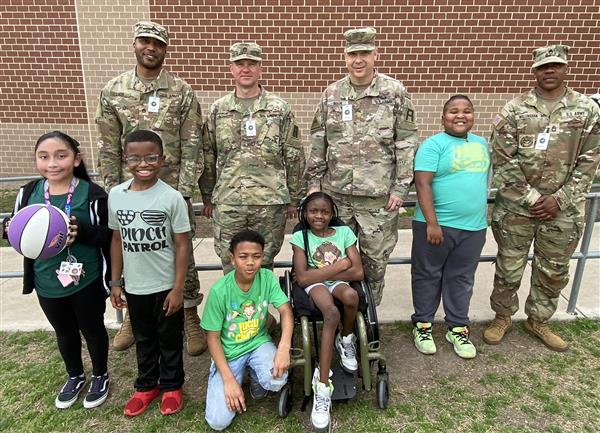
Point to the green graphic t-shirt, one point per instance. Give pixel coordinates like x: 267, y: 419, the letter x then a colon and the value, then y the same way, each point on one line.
x: 241, y: 316
x: 328, y: 250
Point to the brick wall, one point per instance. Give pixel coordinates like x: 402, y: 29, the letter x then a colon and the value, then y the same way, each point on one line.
x: 57, y: 55
x: 434, y: 46
x: 41, y: 66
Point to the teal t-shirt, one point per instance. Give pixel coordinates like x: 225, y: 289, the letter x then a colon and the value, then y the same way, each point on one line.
x: 44, y: 271
x: 241, y: 316
x: 459, y: 186
x: 328, y: 250
x: 147, y: 221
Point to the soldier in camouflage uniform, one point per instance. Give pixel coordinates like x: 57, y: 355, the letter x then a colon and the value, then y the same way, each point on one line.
x: 253, y: 160
x: 363, y: 140
x: 150, y: 97
x: 545, y: 149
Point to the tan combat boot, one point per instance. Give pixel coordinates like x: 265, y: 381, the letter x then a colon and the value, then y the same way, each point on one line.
x: 542, y: 331
x: 195, y: 337
x: 124, y: 336
x: 500, y: 326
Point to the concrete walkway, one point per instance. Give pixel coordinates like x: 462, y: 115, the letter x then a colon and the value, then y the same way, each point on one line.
x: 19, y: 312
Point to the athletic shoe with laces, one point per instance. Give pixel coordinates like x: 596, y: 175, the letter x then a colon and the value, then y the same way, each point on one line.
x: 69, y: 392
x: 320, y: 415
x: 257, y: 392
x: 423, y: 338
x: 98, y: 391
x: 346, y: 347
x: 459, y: 337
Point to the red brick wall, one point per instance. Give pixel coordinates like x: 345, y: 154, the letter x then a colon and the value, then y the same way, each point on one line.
x: 437, y: 47
x: 434, y: 46
x: 41, y: 66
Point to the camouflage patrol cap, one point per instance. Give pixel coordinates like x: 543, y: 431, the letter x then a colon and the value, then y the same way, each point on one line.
x: 550, y: 54
x: 246, y: 50
x: 149, y: 29
x: 360, y: 39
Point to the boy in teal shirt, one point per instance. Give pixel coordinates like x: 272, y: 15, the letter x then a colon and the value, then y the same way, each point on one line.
x: 235, y: 318
x: 449, y: 228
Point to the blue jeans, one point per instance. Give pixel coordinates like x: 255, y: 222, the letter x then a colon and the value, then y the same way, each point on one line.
x: 259, y: 363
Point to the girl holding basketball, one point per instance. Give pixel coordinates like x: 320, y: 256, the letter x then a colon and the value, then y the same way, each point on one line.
x: 72, y: 302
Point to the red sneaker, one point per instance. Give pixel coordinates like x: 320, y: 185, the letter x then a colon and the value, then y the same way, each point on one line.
x: 172, y: 402
x: 140, y: 401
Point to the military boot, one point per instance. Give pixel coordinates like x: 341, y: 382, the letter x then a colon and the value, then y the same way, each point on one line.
x: 195, y: 337
x: 542, y: 331
x: 500, y: 326
x: 124, y: 336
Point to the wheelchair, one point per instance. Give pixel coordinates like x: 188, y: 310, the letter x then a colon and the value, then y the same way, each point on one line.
x: 305, y: 354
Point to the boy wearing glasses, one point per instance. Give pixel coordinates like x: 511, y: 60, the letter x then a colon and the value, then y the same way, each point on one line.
x: 149, y: 255
x: 148, y: 96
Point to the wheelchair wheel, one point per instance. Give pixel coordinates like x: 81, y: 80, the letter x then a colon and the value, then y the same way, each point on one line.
x: 383, y: 392
x: 284, y: 402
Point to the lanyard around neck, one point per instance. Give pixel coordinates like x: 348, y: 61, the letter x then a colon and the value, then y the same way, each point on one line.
x: 69, y: 194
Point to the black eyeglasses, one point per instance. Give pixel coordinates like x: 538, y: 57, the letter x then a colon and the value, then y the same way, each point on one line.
x: 148, y: 159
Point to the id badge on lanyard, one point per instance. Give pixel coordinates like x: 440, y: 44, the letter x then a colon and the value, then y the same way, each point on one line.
x: 250, y: 127
x: 154, y: 104
x: 346, y: 111
x: 69, y: 271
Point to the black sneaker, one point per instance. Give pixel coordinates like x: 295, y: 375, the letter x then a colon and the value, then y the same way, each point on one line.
x: 98, y: 391
x: 69, y: 392
x: 257, y: 392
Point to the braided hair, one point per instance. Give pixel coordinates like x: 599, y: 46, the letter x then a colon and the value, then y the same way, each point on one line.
x: 303, y: 224
x: 335, y: 221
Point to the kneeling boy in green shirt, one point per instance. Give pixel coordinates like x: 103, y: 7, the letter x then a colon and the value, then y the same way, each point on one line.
x: 235, y: 319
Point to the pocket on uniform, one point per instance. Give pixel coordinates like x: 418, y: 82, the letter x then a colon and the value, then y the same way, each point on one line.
x: 562, y: 237
x: 224, y: 129
x: 334, y: 121
x: 271, y: 137
x: 386, y: 134
x: 512, y: 230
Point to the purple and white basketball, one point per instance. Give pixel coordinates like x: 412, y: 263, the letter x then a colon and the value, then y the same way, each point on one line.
x: 39, y: 231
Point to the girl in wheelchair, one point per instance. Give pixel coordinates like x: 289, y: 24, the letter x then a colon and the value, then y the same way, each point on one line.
x: 325, y: 259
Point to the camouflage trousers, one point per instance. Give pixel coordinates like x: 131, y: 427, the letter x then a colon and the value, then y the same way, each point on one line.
x: 553, y: 243
x: 269, y: 221
x: 377, y: 232
x: 191, y: 289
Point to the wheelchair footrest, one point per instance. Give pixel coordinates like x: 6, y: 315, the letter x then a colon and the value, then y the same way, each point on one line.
x: 344, y: 384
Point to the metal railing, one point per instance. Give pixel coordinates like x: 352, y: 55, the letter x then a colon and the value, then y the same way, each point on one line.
x: 581, y: 256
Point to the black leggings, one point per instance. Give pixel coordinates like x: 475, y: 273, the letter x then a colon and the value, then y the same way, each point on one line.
x: 82, y: 311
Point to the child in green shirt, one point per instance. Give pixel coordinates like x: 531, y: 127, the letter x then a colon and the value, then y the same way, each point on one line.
x: 235, y: 318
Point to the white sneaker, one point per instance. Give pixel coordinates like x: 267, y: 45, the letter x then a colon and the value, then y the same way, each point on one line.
x: 317, y: 375
x: 319, y: 416
x: 346, y: 347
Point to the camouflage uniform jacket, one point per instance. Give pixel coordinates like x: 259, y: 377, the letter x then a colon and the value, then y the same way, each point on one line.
x: 123, y: 108
x: 371, y: 155
x: 564, y: 170
x: 263, y: 169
